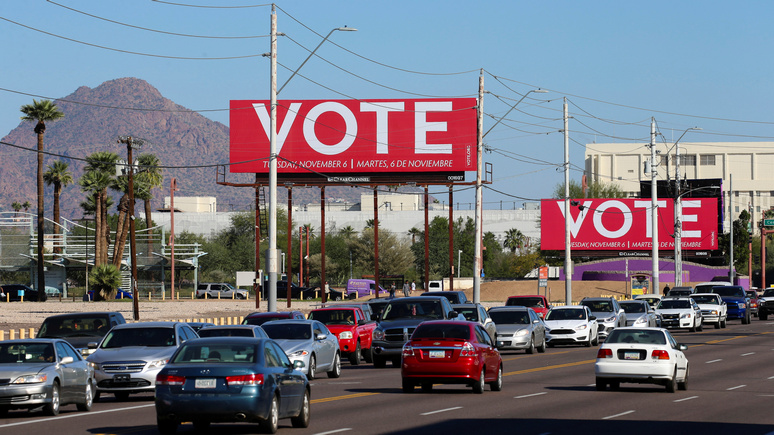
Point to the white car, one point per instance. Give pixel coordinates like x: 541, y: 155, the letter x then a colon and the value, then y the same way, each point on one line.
x: 652, y: 298
x: 713, y: 309
x: 680, y: 313
x: 639, y: 314
x: 643, y: 356
x: 571, y: 324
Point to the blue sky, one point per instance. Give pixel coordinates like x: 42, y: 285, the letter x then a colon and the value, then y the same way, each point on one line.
x: 705, y: 64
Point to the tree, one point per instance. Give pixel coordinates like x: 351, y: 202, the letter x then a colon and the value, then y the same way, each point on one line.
x: 595, y: 190
x: 149, y: 177
x: 414, y: 232
x: 40, y: 112
x: 97, y: 178
x: 514, y: 239
x: 105, y: 279
x: 26, y: 205
x: 59, y: 175
x: 16, y: 206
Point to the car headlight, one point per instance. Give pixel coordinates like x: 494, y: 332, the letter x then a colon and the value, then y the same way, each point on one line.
x: 521, y: 333
x: 345, y: 335
x: 298, y: 353
x: 95, y: 366
x: 641, y: 321
x: 685, y: 316
x: 581, y: 327
x: 378, y: 334
x: 157, y: 364
x: 609, y: 319
x: 714, y: 312
x: 30, y: 379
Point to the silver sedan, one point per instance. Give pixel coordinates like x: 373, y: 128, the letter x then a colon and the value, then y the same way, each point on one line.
x: 518, y: 328
x: 308, y: 341
x: 640, y: 314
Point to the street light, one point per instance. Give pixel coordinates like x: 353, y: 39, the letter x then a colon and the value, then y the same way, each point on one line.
x: 679, y: 213
x: 459, y: 265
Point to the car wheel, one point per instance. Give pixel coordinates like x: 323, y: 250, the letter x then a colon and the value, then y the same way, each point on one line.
x: 396, y: 361
x: 615, y: 385
x: 272, y: 421
x: 763, y: 316
x: 88, y: 398
x: 368, y: 355
x: 309, y: 298
x: 601, y: 384
x: 302, y: 420
x: 201, y: 425
x: 240, y: 296
x: 354, y: 357
x: 531, y: 348
x: 380, y: 362
x: 683, y: 385
x: 700, y: 327
x: 335, y: 372
x: 121, y: 395
x: 596, y: 340
x: 312, y: 371
x: 542, y: 347
x: 52, y: 407
x: 497, y: 385
x: 717, y: 325
x: 747, y: 319
x: 723, y: 323
x: 671, y: 385
x: 166, y: 426
x: 478, y: 387
x: 408, y: 386
x: 427, y: 387
x: 588, y: 342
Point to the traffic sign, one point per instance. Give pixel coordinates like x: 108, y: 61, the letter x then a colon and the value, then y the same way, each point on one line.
x: 768, y: 222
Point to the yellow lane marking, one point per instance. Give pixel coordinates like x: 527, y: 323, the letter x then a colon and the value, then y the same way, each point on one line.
x: 348, y: 396
x: 558, y: 366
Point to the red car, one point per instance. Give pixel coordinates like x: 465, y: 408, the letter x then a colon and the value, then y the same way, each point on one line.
x: 451, y: 352
x: 536, y: 302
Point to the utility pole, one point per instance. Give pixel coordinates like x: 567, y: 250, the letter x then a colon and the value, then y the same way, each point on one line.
x: 272, y: 249
x: 678, y: 220
x: 130, y: 144
x: 477, y: 251
x: 731, y: 227
x: 653, y: 208
x: 567, y: 238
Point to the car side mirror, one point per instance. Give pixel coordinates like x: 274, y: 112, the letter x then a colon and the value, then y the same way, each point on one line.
x: 536, y: 321
x: 66, y: 360
x: 592, y: 317
x: 298, y: 365
x: 92, y: 345
x: 682, y: 347
x: 320, y: 337
x: 453, y: 314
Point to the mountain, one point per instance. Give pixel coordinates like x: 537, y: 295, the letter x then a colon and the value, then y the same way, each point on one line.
x: 95, y: 119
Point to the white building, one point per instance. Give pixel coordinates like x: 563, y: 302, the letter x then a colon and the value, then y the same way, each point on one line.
x: 193, y: 204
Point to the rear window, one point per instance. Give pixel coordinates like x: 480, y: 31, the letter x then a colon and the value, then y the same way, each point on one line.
x: 153, y: 337
x: 442, y: 331
x: 334, y: 317
x: 220, y: 353
x: 566, y: 314
x: 668, y: 305
x: 729, y: 291
x: 509, y: 317
x: 217, y: 332
x: 525, y: 302
x: 636, y: 336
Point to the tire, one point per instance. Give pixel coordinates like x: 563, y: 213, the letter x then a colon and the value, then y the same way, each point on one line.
x: 615, y: 385
x: 478, y: 387
x: 542, y: 347
x: 746, y: 320
x: 396, y: 361
x: 302, y: 420
x: 700, y: 327
x: 427, y: 387
x: 723, y: 323
x: 596, y: 341
x: 379, y: 362
x: 88, y: 398
x: 272, y: 422
x: 408, y: 386
x: 52, y: 408
x: 588, y: 342
x: 368, y: 355
x: 684, y: 384
x: 763, y: 316
x: 312, y: 370
x: 601, y: 384
x: 497, y: 384
x: 240, y: 296
x: 201, y: 425
x: 671, y: 385
x: 354, y: 357
x: 121, y: 395
x: 166, y: 426
x: 717, y: 325
x: 335, y: 371
x: 531, y: 348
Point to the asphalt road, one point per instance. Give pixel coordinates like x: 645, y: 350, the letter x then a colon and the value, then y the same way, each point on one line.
x: 730, y: 390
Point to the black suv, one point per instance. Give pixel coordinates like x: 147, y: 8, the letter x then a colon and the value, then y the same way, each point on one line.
x: 80, y: 329
x: 454, y: 296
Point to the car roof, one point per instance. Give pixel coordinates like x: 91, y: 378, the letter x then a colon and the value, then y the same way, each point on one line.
x: 465, y: 305
x: 597, y: 299
x: 510, y: 308
x: 83, y: 314
x: 705, y: 294
x: 148, y: 325
x: 296, y: 321
x: 566, y: 307
x: 636, y: 301
x: 421, y: 298
x: 233, y: 326
x: 526, y: 296
x: 33, y: 340
x: 272, y: 313
x: 677, y: 298
x: 227, y: 340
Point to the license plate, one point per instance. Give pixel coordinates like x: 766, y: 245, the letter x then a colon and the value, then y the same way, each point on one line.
x: 205, y: 383
x: 437, y: 354
x: 121, y: 378
x: 631, y: 355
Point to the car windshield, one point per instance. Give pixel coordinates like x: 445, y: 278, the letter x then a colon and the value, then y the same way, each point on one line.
x: 638, y: 336
x: 706, y: 288
x: 599, y: 306
x: 729, y: 291
x: 470, y: 313
x: 399, y: 309
x: 211, y: 352
x: 566, y: 314
x: 525, y: 302
x: 768, y: 293
x: 226, y: 332
x: 633, y: 307
x: 73, y: 327
x: 262, y: 319
x: 334, y: 317
x: 509, y: 317
x: 288, y: 331
x: 669, y: 304
x: 442, y: 331
x: 706, y: 299
x: 26, y: 353
x: 679, y: 292
x: 126, y: 337
x: 751, y: 293
x: 651, y: 301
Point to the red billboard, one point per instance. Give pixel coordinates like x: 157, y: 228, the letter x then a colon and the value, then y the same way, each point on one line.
x: 625, y: 224
x: 355, y: 136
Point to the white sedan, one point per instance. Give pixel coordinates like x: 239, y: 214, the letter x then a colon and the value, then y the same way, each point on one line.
x: 643, y: 356
x: 571, y: 324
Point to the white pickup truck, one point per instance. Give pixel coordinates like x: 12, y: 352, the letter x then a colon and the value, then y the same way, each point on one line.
x: 713, y: 309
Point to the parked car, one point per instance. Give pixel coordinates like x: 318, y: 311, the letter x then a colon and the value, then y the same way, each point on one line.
x: 609, y: 314
x: 132, y: 354
x: 680, y: 313
x: 641, y: 355
x: 451, y: 352
x: 680, y: 292
x: 766, y: 304
x: 359, y: 288
x: 571, y: 324
x: 308, y: 341
x: 518, y: 328
x: 377, y: 306
x: 53, y: 292
x: 259, y: 318
x: 752, y: 297
x: 43, y: 372
x: 538, y: 303
x: 233, y: 331
x: 18, y: 292
x: 398, y: 321
x: 454, y: 296
x: 651, y: 298
x: 477, y: 313
x: 231, y: 379
x: 315, y: 292
x: 736, y: 302
x: 713, y: 309
x: 120, y: 294
x: 639, y: 314
x: 196, y: 326
x: 80, y: 329
x: 352, y: 328
x: 296, y: 291
x: 219, y: 290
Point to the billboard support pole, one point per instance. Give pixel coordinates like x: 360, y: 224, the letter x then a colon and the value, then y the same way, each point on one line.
x: 567, y: 238
x: 477, y: 262
x: 272, y: 249
x: 654, y: 206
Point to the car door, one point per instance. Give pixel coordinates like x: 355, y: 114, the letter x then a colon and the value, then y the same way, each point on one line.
x: 488, y: 350
x: 69, y: 381
x: 681, y: 362
x: 323, y: 348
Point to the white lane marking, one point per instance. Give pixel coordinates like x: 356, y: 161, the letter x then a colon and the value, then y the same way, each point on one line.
x: 334, y: 431
x: 617, y: 415
x: 714, y: 361
x: 529, y: 395
x: 441, y: 410
x: 591, y: 385
x: 82, y: 414
x: 747, y: 354
x: 771, y: 377
x: 734, y: 388
x: 685, y: 398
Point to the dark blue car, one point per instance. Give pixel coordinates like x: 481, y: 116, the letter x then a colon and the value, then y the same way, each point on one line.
x: 736, y: 301
x: 120, y: 294
x: 231, y: 379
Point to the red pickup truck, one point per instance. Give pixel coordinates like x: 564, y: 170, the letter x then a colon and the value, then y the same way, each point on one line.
x: 538, y: 303
x: 353, y: 329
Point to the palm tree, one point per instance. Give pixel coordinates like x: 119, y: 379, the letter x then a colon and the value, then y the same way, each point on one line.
x: 514, y: 239
x: 16, y: 206
x: 26, y: 206
x: 414, y: 232
x: 96, y: 183
x: 106, y: 279
x: 347, y: 232
x: 122, y: 227
x: 149, y: 177
x: 58, y: 175
x: 41, y: 112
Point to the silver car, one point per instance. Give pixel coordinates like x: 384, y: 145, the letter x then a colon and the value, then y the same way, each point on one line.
x: 518, y: 328
x: 308, y: 341
x: 233, y: 331
x: 130, y: 356
x: 43, y: 372
x: 640, y: 314
x: 609, y: 314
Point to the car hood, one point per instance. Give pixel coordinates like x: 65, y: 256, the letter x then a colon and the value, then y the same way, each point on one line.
x: 674, y: 311
x: 633, y: 317
x: 709, y: 306
x: 733, y: 299
x: 290, y: 346
x: 13, y: 369
x: 602, y: 314
x: 132, y: 353
x: 411, y: 322
x: 565, y: 324
x: 511, y: 328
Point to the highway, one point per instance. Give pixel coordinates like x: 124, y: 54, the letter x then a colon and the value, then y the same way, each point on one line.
x: 730, y: 390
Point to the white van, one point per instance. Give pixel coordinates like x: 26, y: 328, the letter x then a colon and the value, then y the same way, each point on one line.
x: 435, y: 286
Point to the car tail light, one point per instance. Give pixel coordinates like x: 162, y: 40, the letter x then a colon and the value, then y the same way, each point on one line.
x: 408, y: 350
x: 252, y: 379
x: 468, y: 350
x: 163, y: 379
x: 605, y: 353
x: 660, y: 354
